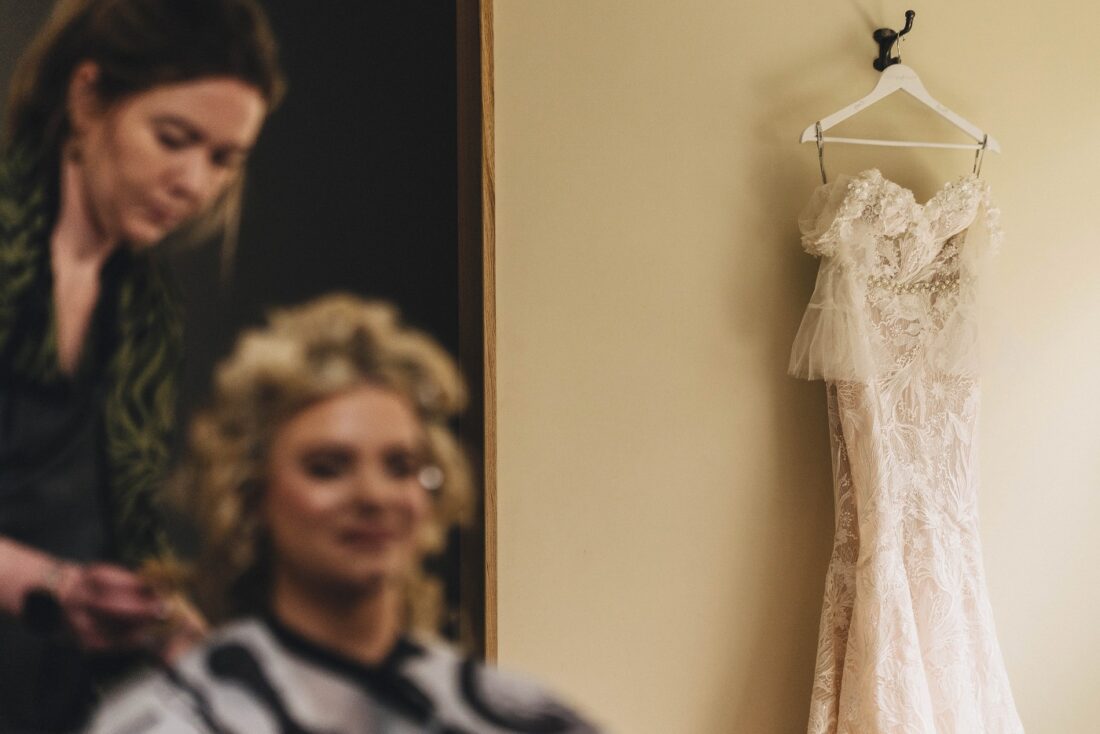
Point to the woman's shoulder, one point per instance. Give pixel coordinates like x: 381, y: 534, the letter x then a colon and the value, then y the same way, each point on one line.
x: 183, y: 698
x: 242, y: 679
x: 149, y: 704
x: 23, y: 226
x: 465, y: 690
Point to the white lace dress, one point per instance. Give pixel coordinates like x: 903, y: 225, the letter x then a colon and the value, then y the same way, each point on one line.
x: 907, y: 639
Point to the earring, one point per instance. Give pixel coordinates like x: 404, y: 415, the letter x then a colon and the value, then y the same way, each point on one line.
x: 74, y: 149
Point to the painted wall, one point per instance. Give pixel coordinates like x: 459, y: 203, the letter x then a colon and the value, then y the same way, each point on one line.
x: 665, y: 499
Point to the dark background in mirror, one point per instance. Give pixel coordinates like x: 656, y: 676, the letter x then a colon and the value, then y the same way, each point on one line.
x: 353, y: 184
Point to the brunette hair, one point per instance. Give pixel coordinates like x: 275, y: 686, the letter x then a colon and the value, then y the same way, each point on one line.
x: 137, y: 45
x: 304, y: 355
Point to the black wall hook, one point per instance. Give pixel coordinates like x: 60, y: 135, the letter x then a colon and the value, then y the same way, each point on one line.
x: 886, y: 38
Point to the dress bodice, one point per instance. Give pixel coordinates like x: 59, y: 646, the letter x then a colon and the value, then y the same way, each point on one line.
x: 897, y: 277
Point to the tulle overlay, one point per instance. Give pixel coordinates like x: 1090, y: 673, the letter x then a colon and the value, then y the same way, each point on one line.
x: 907, y: 643
x: 898, y: 280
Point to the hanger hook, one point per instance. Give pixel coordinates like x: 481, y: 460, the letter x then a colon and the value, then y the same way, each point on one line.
x: 886, y: 38
x: 909, y: 16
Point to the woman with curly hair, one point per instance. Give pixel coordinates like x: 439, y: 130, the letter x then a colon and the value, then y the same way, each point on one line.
x: 127, y: 120
x: 321, y: 477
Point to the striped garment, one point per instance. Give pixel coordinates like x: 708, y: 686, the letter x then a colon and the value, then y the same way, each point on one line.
x: 258, y: 677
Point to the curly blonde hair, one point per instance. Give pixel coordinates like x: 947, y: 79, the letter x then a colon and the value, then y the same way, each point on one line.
x: 304, y: 355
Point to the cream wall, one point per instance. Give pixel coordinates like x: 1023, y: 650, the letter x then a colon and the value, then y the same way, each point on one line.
x: 665, y: 506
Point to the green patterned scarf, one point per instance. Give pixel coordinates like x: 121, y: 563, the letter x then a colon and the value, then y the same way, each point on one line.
x: 142, y: 368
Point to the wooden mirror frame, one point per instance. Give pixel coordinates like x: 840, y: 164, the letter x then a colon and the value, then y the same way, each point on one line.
x: 477, y: 313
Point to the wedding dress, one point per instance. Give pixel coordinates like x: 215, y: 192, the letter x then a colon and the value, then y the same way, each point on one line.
x: 907, y: 642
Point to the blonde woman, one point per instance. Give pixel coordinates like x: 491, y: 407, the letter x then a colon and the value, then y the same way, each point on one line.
x: 323, y: 475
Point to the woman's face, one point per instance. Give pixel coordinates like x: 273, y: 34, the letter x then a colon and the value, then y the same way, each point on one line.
x: 344, y: 505
x: 158, y: 158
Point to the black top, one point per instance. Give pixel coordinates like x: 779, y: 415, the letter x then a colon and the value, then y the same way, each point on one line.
x: 53, y: 497
x: 81, y: 456
x: 53, y: 484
